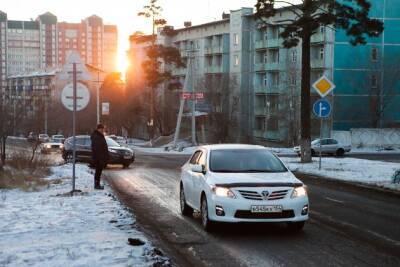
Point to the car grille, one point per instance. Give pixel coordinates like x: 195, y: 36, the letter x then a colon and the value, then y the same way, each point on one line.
x: 246, y: 214
x: 55, y: 146
x: 253, y: 195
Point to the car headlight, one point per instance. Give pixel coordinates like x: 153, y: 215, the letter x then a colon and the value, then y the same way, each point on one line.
x: 47, y: 146
x: 112, y: 150
x: 300, y: 191
x: 223, y: 192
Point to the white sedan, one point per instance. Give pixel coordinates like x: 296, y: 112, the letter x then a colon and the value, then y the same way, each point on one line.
x: 241, y: 183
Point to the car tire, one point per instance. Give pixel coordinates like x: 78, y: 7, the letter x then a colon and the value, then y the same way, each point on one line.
x: 295, y: 227
x: 186, y: 210
x: 207, y: 224
x: 340, y: 152
x: 125, y: 165
x: 313, y: 153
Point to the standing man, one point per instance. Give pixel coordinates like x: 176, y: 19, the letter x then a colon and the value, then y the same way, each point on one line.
x: 99, y: 153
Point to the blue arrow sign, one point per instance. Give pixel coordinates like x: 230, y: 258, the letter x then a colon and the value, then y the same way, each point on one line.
x: 322, y: 108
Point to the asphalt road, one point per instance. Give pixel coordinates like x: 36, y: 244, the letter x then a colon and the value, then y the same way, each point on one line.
x: 348, y: 226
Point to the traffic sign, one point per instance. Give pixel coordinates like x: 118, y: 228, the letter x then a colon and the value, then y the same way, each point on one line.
x: 82, y: 96
x: 105, y: 108
x: 81, y: 71
x: 323, y: 86
x: 322, y: 108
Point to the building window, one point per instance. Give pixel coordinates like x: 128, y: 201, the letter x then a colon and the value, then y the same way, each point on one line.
x: 374, y: 81
x: 294, y: 55
x: 260, y: 123
x: 236, y: 60
x: 374, y: 54
x: 235, y: 39
x: 265, y: 57
x: 272, y: 124
x: 265, y: 80
x: 321, y: 53
x: 292, y: 80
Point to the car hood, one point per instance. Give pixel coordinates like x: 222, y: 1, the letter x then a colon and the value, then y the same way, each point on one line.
x: 252, y: 179
x: 120, y: 148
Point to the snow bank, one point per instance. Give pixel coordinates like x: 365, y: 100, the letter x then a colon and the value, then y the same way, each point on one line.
x: 349, y: 169
x: 48, y: 228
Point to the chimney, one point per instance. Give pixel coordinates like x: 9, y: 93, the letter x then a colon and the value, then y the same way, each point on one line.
x: 225, y: 15
x: 187, y: 24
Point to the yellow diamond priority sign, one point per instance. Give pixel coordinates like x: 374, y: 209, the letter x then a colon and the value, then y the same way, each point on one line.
x: 323, y: 86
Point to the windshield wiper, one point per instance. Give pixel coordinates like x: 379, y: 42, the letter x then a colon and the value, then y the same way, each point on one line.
x: 224, y: 170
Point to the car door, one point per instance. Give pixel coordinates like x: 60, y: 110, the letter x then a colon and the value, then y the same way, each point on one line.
x: 199, y: 179
x: 187, y: 177
x: 324, y: 146
x: 333, y: 145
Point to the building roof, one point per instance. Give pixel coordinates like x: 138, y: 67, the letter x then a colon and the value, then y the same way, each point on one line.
x: 48, y: 18
x: 36, y: 73
x: 19, y: 24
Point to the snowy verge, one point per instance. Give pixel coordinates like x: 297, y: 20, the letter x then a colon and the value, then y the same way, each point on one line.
x: 50, y: 228
x: 376, y: 173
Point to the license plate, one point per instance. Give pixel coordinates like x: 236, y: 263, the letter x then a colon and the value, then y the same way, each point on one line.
x: 127, y: 157
x: 266, y: 209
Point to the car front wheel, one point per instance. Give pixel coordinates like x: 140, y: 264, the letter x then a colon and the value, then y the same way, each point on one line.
x: 186, y: 210
x: 208, y: 225
x: 340, y: 152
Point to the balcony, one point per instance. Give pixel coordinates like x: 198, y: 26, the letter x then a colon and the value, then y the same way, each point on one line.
x: 178, y: 72
x: 213, y: 69
x: 217, y: 49
x: 271, y: 66
x: 208, y: 50
x: 267, y: 89
x: 271, y: 43
x: 260, y: 44
x: 270, y: 135
x: 317, y: 64
x: 318, y: 38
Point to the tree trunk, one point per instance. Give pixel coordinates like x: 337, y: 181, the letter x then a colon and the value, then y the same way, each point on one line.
x: 305, y: 141
x: 3, y: 149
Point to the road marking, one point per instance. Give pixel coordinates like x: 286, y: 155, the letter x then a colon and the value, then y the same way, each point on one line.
x: 334, y: 200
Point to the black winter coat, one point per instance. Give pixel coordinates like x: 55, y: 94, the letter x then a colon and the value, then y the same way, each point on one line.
x: 99, y: 147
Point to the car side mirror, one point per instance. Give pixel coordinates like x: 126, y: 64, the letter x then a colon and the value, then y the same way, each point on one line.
x: 198, y: 168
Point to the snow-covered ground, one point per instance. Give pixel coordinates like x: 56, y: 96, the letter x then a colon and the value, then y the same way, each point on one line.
x: 349, y: 169
x: 50, y: 228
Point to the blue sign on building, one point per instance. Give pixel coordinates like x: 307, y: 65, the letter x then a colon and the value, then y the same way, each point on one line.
x: 322, y: 108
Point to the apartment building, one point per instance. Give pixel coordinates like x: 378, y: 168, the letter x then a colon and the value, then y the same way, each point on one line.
x: 27, y: 46
x: 264, y: 78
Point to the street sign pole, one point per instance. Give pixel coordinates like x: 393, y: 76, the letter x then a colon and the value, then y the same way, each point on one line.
x: 74, y: 127
x: 320, y: 136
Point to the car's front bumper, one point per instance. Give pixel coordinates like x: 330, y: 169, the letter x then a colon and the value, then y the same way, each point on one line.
x: 239, y: 209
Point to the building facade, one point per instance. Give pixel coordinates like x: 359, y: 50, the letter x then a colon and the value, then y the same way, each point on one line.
x: 27, y: 46
x: 263, y: 78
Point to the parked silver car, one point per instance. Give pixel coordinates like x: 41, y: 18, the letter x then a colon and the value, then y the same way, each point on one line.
x: 328, y: 146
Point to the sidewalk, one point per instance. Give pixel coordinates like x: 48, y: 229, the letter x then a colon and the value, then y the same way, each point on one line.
x: 50, y: 228
x: 368, y: 172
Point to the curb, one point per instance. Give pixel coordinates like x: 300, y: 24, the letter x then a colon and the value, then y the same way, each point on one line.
x: 357, y: 185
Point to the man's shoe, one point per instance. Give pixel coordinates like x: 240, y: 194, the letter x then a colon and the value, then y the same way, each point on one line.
x: 99, y: 187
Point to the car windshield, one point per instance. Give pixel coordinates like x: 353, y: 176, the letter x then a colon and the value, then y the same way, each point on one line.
x: 315, y: 142
x: 58, y: 136
x: 245, y: 161
x: 111, y: 142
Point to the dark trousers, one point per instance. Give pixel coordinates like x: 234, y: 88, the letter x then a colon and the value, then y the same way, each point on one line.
x: 100, y: 165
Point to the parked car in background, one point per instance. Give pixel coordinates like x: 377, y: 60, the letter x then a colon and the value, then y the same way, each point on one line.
x: 58, y: 138
x: 241, y: 183
x: 119, y: 139
x: 50, y: 147
x: 43, y: 138
x: 117, y: 153
x: 328, y: 146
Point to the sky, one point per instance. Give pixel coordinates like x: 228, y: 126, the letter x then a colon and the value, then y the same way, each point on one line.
x: 123, y: 13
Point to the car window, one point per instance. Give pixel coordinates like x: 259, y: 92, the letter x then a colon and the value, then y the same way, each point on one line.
x: 324, y: 142
x: 194, y: 158
x: 333, y: 142
x: 245, y: 161
x: 80, y: 141
x: 111, y: 142
x: 202, y: 159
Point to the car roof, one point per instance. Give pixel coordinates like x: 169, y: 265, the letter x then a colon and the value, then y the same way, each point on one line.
x: 231, y: 146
